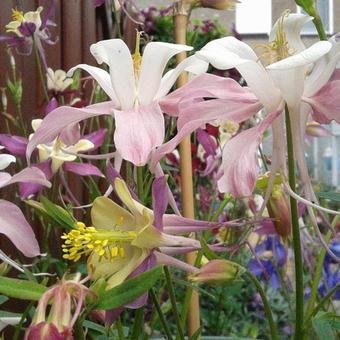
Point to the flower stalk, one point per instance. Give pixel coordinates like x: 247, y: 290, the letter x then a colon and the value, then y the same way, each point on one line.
x: 299, y: 311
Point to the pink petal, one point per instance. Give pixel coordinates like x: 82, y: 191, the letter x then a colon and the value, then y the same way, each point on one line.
x: 206, y: 86
x: 82, y: 169
x: 200, y: 113
x: 14, y: 225
x: 4, y: 179
x: 27, y: 189
x: 52, y: 105
x: 326, y: 103
x: 16, y: 145
x: 30, y: 175
x: 240, y: 160
x: 70, y: 134
x: 97, y: 138
x: 174, y: 224
x: 138, y: 132
x: 159, y: 200
x: 59, y: 119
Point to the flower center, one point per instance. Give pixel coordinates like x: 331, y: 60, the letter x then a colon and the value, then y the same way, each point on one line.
x: 277, y: 49
x: 17, y: 15
x: 86, y: 240
x: 136, y: 57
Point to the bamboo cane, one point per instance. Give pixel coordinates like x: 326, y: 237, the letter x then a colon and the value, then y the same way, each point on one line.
x: 181, y: 16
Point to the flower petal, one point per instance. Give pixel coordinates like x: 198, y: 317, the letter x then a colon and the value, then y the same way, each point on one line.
x: 102, y: 78
x: 97, y: 138
x: 255, y: 74
x: 6, y: 160
x: 304, y: 58
x: 240, y: 161
x: 30, y: 175
x: 59, y: 119
x: 106, y: 214
x: 292, y: 26
x: 326, y: 103
x: 192, y: 64
x: 159, y: 200
x: 117, y: 56
x: 16, y: 145
x: 27, y: 188
x: 82, y: 169
x: 14, y: 225
x: 138, y: 132
x: 155, y: 58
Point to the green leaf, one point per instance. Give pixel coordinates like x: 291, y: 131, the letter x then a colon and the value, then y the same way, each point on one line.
x: 333, y: 196
x: 21, y: 289
x: 208, y: 253
x: 129, y: 290
x: 57, y: 213
x: 325, y: 325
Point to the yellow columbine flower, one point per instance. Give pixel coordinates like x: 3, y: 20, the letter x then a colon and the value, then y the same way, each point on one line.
x: 119, y: 239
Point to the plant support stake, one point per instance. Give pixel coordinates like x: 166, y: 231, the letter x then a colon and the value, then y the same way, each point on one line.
x: 181, y: 14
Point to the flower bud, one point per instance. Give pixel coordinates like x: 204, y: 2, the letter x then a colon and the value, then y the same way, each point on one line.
x: 57, y: 322
x: 217, y: 272
x: 4, y: 101
x: 279, y: 210
x: 217, y: 4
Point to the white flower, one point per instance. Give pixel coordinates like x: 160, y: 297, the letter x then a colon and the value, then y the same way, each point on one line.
x: 58, y: 151
x: 57, y: 80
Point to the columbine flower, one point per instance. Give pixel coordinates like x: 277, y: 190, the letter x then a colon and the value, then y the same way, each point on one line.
x: 58, y: 151
x: 66, y: 298
x: 57, y: 81
x: 120, y: 240
x: 295, y: 76
x: 30, y: 27
x: 134, y: 85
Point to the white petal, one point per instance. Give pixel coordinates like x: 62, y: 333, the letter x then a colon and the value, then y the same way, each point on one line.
x: 6, y: 160
x: 101, y: 76
x: 35, y: 124
x: 293, y: 24
x: 233, y: 45
x: 155, y: 57
x: 116, y: 54
x: 303, y: 58
x: 254, y: 74
x: 192, y: 64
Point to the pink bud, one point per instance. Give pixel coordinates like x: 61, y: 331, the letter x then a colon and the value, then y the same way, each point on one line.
x: 47, y: 331
x: 218, y: 271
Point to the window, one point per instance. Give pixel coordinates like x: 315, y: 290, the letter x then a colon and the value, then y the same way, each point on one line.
x: 254, y: 17
x: 325, y: 8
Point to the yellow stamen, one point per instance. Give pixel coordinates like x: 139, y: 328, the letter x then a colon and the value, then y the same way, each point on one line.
x: 86, y: 240
x: 136, y: 57
x: 17, y: 15
x: 277, y: 49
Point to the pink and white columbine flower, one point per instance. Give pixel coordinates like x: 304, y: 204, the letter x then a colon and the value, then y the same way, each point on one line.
x: 134, y: 85
x: 12, y: 221
x: 299, y: 78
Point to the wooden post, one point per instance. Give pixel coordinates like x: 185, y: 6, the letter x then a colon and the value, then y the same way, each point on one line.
x: 181, y: 16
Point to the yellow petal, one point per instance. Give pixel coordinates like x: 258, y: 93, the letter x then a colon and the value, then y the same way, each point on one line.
x: 106, y: 214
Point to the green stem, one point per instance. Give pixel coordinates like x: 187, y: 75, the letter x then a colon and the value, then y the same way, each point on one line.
x: 173, y: 302
x: 41, y: 75
x: 160, y: 315
x: 321, y: 303
x: 317, y: 276
x: 138, y: 325
x: 319, y: 26
x: 140, y: 181
x: 120, y: 329
x: 220, y: 209
x: 22, y: 320
x: 266, y: 305
x: 299, y: 297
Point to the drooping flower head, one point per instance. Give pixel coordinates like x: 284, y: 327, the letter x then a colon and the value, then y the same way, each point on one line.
x: 66, y: 298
